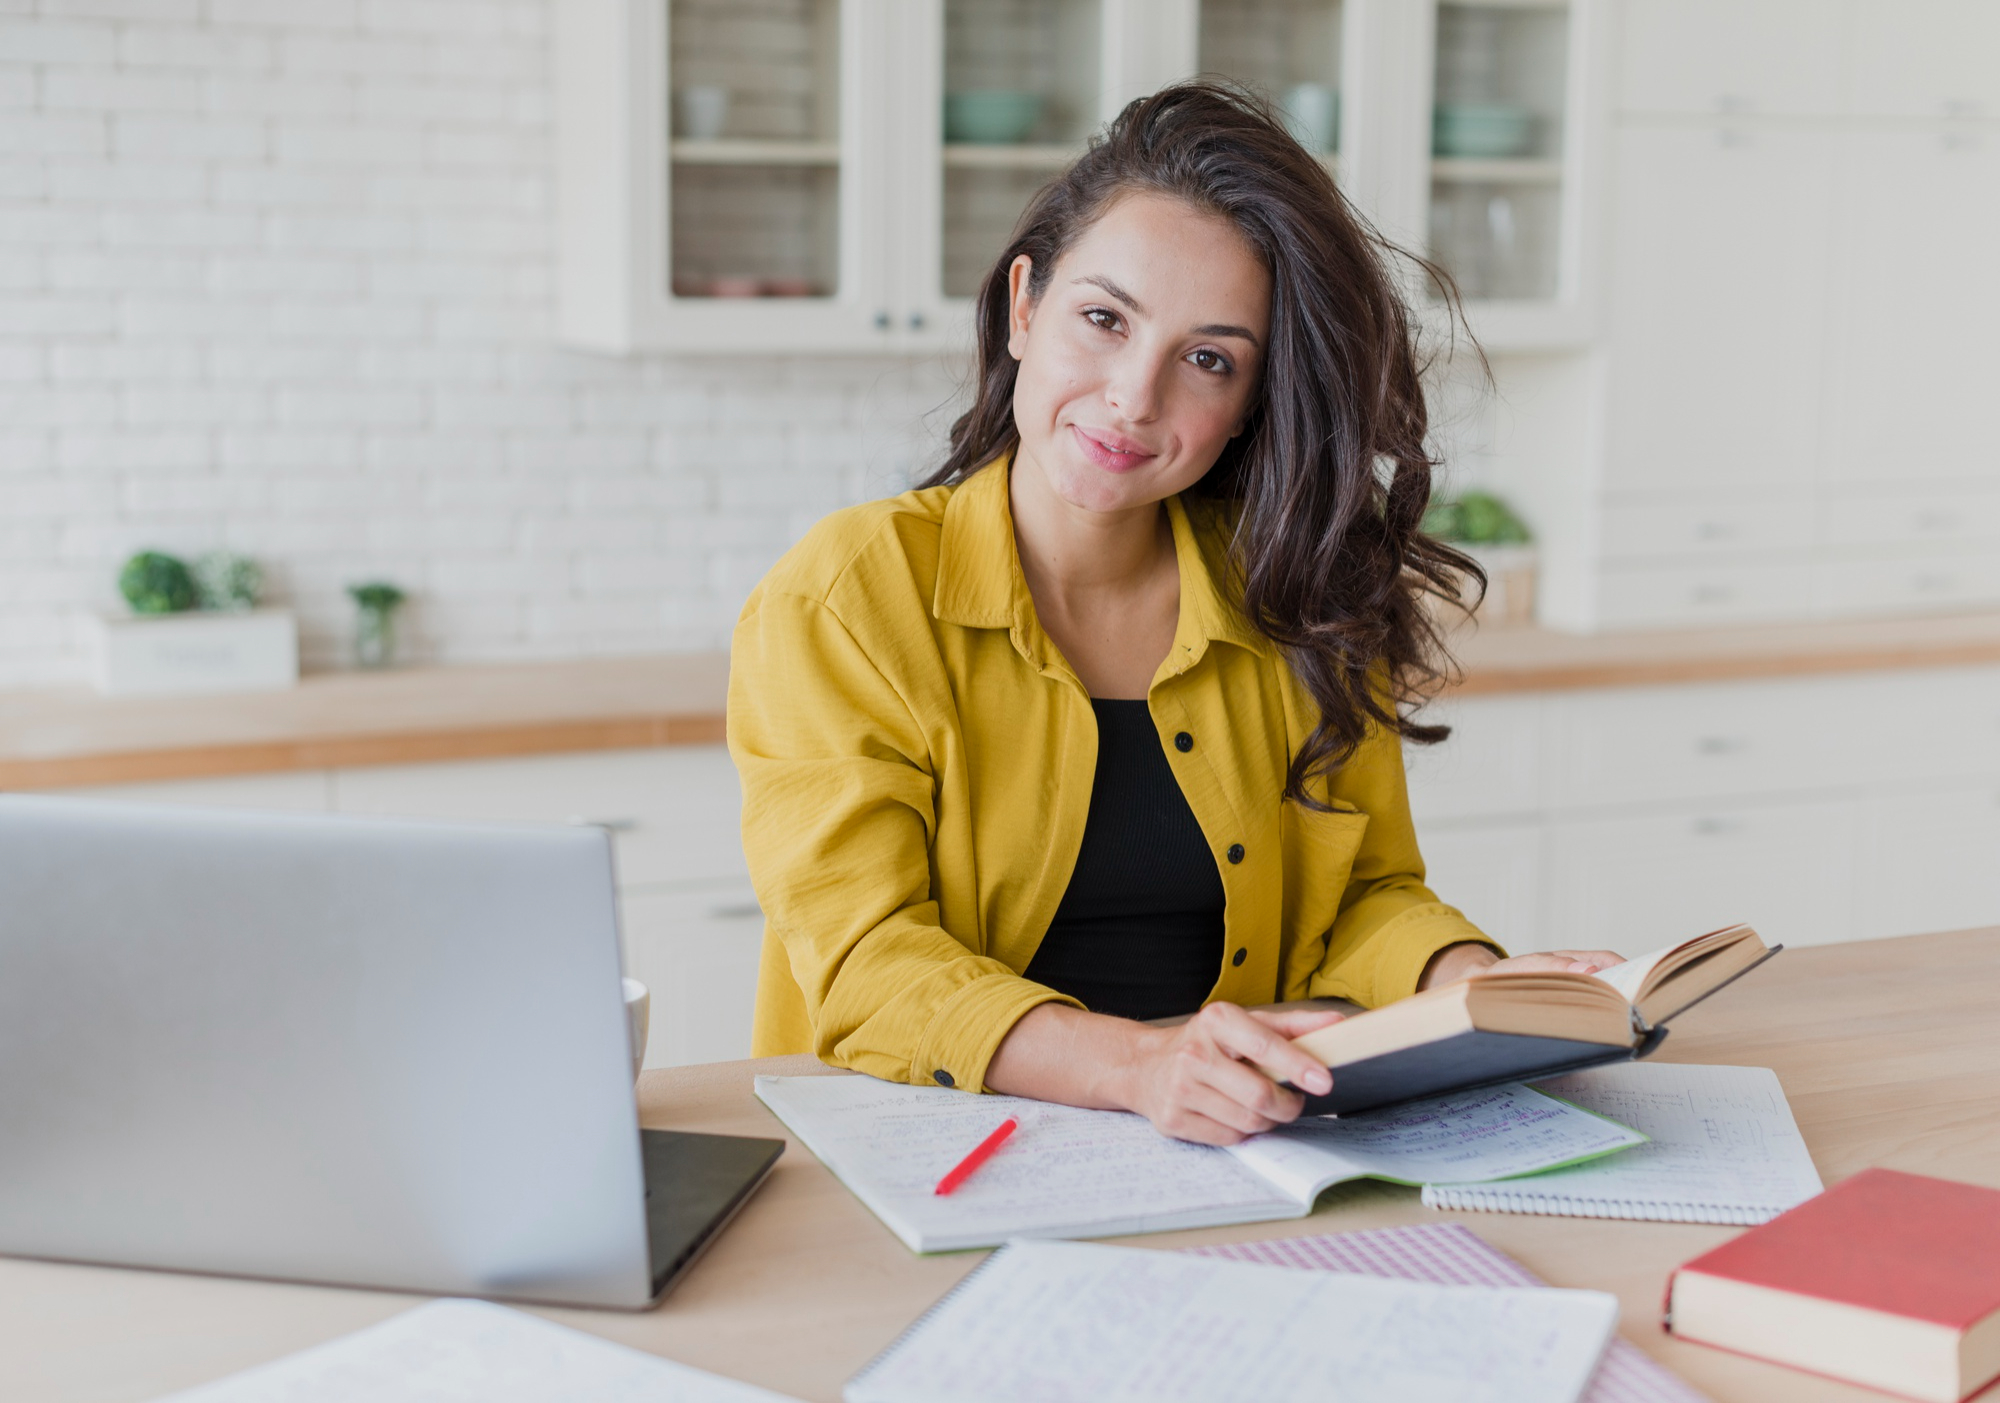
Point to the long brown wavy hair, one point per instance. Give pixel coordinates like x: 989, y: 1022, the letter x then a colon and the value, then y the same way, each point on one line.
x: 1331, y: 475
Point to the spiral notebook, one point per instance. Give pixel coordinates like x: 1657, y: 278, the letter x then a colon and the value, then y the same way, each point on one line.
x: 1449, y: 1254
x: 1723, y: 1148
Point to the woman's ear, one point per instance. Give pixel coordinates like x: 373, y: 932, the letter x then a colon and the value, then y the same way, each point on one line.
x: 1020, y: 305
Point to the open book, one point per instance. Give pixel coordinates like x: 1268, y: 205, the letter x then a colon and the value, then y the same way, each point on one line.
x: 1076, y: 1173
x: 1499, y: 1028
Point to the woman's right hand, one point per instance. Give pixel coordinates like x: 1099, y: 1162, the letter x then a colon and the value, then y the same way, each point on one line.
x: 1215, y: 1078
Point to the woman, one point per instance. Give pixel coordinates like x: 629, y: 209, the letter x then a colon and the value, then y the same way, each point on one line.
x: 1103, y: 721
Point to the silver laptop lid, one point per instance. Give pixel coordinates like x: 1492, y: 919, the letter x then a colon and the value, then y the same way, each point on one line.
x: 366, y: 1051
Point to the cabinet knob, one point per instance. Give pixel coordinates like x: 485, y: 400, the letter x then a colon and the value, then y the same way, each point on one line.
x: 881, y: 321
x: 916, y: 321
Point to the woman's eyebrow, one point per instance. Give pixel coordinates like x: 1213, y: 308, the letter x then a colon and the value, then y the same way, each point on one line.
x: 1120, y: 294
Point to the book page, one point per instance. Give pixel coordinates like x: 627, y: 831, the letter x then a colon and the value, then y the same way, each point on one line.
x: 1724, y: 1147
x: 1050, y: 1320
x: 1064, y: 1172
x: 1467, y: 1137
x: 1630, y: 977
x: 472, y: 1352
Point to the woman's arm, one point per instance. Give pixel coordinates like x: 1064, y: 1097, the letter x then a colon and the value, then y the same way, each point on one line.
x: 1199, y: 1081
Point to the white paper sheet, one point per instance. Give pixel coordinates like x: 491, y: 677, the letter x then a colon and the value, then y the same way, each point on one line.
x: 1724, y: 1149
x: 1466, y: 1137
x: 1080, y: 1323
x: 1064, y: 1170
x: 471, y: 1352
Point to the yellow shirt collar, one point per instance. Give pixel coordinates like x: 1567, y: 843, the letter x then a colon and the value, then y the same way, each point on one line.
x: 980, y: 584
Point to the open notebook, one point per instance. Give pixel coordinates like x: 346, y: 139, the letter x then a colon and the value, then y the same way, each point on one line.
x: 1076, y: 1173
x: 1072, y: 1320
x: 1723, y: 1149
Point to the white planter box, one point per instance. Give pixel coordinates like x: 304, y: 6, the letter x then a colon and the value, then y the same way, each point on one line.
x: 150, y: 655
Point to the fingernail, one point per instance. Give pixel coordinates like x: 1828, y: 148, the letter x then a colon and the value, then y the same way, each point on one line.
x: 1319, y: 1081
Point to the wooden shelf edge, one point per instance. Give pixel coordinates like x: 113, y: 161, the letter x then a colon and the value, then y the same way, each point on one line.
x: 1557, y: 677
x: 348, y: 752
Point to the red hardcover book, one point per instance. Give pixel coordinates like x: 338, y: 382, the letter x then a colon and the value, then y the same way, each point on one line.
x: 1887, y: 1279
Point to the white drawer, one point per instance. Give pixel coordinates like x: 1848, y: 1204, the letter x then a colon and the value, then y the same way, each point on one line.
x: 1642, y: 745
x: 1926, y: 862
x: 675, y: 811
x: 1912, y: 583
x: 1634, y: 884
x: 1493, y: 873
x: 1704, y: 526
x: 1692, y: 595
x: 697, y: 951
x: 293, y: 791
x: 1912, y: 518
x: 1491, y: 765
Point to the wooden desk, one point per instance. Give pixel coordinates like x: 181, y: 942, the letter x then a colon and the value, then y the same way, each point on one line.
x: 1885, y: 1050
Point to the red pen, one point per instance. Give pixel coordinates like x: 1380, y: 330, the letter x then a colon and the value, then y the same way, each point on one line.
x: 981, y: 1152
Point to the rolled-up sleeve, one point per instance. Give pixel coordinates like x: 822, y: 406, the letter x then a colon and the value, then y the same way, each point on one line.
x: 1390, y: 923
x: 839, y: 824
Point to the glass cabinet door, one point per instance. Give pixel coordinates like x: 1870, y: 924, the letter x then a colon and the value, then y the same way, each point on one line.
x: 1023, y: 89
x: 1499, y: 131
x: 754, y: 150
x: 1288, y: 50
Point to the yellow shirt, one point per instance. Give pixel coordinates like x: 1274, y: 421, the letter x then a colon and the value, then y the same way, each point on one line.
x: 917, y: 760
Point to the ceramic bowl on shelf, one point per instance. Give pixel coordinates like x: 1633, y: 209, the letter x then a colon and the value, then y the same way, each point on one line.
x: 991, y: 116
x: 1480, y: 131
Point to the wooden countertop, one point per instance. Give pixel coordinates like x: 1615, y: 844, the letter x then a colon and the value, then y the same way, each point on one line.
x: 56, y: 737
x: 1880, y: 1046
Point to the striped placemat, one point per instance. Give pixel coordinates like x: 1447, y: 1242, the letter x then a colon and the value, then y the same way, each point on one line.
x: 1451, y: 1254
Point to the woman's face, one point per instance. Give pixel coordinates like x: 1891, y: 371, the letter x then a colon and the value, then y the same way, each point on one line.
x: 1143, y: 356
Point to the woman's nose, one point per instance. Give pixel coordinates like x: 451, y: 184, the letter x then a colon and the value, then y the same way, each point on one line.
x: 1135, y: 387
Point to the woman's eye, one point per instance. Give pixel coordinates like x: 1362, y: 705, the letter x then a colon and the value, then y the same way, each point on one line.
x: 1210, y: 360
x: 1107, y: 321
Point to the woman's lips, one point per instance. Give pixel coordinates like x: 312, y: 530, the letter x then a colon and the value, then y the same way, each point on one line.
x: 1118, y: 455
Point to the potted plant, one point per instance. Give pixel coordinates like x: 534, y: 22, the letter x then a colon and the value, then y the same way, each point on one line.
x: 192, y: 629
x: 1488, y: 530
x: 375, y: 624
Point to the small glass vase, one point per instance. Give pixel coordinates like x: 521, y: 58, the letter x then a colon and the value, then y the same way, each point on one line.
x: 375, y: 637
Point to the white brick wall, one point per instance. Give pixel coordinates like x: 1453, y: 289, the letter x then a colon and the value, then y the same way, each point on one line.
x: 275, y: 277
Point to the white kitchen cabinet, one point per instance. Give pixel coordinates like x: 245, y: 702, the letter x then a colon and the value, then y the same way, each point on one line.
x: 1651, y: 744
x: 1706, y: 592
x: 1490, y: 766
x: 1913, y: 580
x: 675, y: 812
x: 1911, y: 377
x: 1699, y: 525
x: 293, y: 791
x: 1926, y: 861
x: 1493, y: 873
x: 817, y: 175
x: 1924, y: 58
x: 1731, y: 57
x: 696, y: 950
x: 1721, y: 247
x: 1635, y: 883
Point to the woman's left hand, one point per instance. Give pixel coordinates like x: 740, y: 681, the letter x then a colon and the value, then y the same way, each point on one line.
x: 1456, y: 962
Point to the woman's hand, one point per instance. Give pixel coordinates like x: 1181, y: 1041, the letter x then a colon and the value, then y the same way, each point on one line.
x: 1456, y: 962
x: 1213, y: 1079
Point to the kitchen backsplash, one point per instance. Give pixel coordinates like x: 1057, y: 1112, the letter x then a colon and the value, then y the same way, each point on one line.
x: 276, y: 276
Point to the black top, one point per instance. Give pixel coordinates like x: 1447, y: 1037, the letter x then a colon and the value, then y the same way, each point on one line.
x: 1139, y: 932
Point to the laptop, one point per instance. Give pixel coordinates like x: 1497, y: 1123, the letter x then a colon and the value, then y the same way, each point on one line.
x: 369, y: 1052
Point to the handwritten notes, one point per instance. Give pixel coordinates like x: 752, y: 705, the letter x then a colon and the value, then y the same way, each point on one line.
x: 1469, y: 1137
x: 1077, y: 1173
x: 1064, y: 1172
x: 1723, y: 1149
x: 1074, y: 1321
